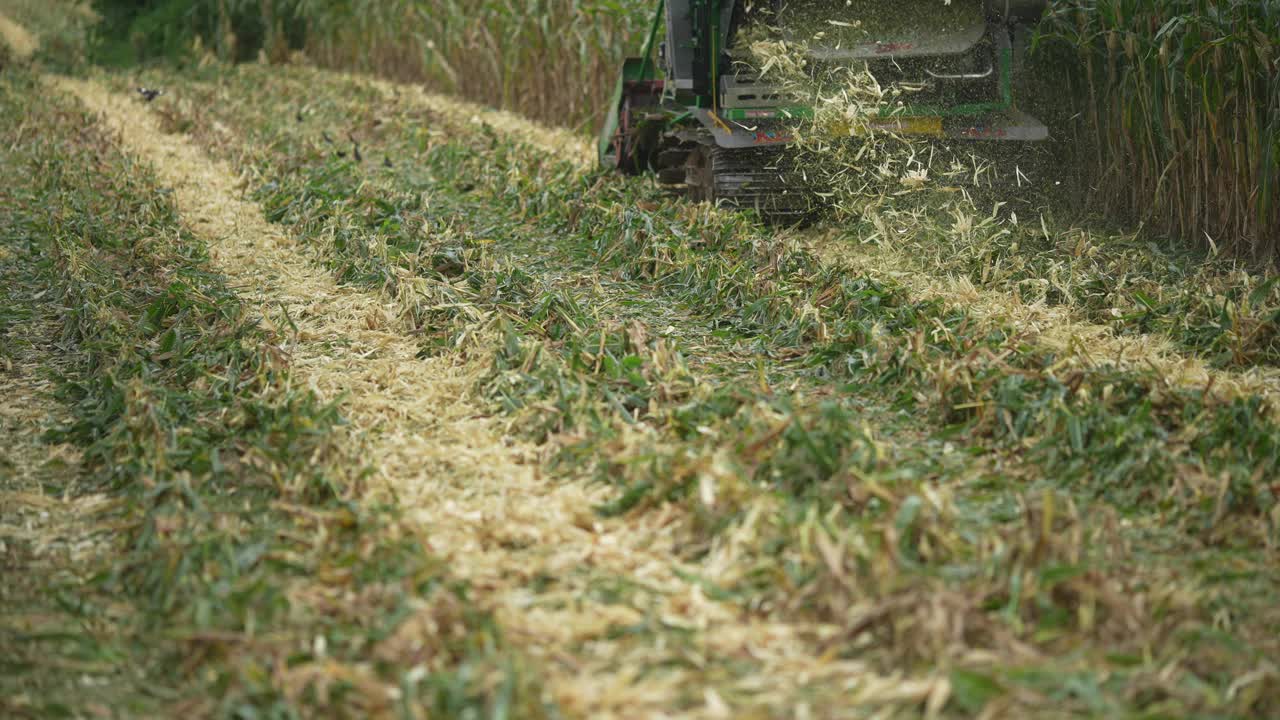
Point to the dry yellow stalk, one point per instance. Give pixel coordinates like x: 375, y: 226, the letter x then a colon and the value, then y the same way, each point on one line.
x: 21, y: 42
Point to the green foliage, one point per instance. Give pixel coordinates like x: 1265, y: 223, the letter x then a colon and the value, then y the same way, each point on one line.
x: 935, y: 485
x: 234, y: 510
x: 131, y: 32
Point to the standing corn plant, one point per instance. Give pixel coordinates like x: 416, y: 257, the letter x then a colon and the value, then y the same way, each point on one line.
x: 549, y: 59
x: 235, y: 30
x: 1183, y: 103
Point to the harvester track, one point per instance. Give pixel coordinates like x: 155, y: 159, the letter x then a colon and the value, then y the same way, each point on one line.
x: 766, y: 180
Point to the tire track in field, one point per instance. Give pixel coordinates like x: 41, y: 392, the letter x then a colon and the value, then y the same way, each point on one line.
x: 530, y: 547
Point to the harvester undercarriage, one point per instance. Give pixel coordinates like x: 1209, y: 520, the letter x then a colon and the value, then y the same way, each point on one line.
x: 690, y: 110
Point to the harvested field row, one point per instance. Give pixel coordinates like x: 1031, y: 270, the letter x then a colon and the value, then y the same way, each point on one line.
x: 49, y: 527
x: 197, y: 552
x: 490, y: 514
x: 518, y: 437
x: 296, y: 162
x: 1061, y: 329
x: 535, y: 203
x: 1227, y: 315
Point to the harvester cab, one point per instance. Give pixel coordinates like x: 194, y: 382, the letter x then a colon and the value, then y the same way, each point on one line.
x: 692, y: 108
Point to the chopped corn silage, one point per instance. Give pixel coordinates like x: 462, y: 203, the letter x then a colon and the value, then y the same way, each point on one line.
x: 488, y: 509
x: 882, y: 177
x: 555, y: 142
x: 50, y: 532
x: 21, y: 42
x: 1050, y: 326
x: 1055, y: 327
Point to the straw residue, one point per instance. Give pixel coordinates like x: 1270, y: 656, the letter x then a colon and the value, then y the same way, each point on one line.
x: 556, y: 142
x: 617, y: 626
x: 1051, y: 327
x: 49, y: 534
x: 22, y: 43
x: 1054, y: 328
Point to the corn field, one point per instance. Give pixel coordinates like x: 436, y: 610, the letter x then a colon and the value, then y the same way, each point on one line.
x: 1181, y: 101
x: 553, y: 60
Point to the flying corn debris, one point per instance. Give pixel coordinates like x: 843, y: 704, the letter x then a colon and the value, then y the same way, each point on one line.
x: 725, y: 93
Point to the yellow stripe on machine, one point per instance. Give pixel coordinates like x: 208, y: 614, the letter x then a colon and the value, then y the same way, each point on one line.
x: 930, y: 126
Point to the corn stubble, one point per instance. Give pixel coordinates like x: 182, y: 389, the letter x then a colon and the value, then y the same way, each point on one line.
x: 856, y: 478
x: 728, y: 383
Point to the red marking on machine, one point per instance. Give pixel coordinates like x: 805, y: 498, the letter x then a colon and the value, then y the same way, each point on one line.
x: 768, y: 137
x: 985, y: 131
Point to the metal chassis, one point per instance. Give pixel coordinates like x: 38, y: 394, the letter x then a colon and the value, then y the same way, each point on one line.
x: 634, y: 115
